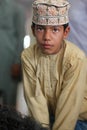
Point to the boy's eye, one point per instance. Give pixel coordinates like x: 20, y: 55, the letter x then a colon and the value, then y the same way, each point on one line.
x: 55, y: 29
x: 39, y: 28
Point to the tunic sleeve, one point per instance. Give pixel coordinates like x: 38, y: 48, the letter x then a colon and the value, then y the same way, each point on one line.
x: 34, y: 97
x: 71, y: 96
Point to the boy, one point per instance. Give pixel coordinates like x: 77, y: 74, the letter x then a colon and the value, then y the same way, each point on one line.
x: 54, y: 70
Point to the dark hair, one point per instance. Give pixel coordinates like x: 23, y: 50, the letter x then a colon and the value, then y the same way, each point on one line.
x: 33, y: 25
x: 11, y: 119
x: 65, y: 25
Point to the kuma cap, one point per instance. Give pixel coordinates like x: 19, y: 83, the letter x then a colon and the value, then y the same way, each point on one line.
x: 50, y: 12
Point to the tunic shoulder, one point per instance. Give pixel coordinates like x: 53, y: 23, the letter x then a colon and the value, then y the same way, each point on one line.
x: 72, y: 54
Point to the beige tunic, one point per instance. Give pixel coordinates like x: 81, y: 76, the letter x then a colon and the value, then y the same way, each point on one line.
x: 57, y: 81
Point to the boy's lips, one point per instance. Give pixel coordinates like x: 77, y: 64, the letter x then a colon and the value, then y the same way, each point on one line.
x: 46, y: 46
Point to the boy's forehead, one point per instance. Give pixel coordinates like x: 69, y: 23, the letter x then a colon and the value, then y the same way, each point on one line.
x: 50, y: 12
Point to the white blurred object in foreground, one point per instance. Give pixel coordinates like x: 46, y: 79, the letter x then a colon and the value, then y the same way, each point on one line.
x: 26, y: 42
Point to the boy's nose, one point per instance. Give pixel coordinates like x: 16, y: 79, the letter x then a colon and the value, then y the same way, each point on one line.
x: 47, y: 35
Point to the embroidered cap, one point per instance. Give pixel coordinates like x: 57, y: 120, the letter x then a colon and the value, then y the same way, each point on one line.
x: 50, y: 12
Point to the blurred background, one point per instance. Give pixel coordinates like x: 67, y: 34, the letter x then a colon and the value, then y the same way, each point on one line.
x: 15, y: 33
x: 27, y: 6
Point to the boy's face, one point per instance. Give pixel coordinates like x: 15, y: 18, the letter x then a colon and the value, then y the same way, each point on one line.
x: 49, y: 38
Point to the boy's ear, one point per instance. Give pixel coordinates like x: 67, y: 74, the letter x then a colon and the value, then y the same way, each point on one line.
x: 66, y: 32
x: 33, y: 30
